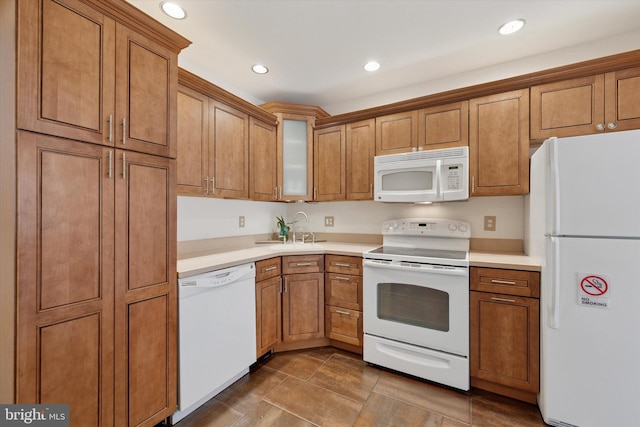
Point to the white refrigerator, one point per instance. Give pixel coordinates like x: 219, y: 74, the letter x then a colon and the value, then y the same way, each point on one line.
x: 583, y: 225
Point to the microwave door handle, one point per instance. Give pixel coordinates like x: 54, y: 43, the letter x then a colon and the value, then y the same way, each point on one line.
x: 438, y: 179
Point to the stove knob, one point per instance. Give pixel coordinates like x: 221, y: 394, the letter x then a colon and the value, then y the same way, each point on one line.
x: 453, y: 227
x: 463, y: 228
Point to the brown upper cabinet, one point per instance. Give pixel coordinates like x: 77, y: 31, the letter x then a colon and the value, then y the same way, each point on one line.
x: 83, y: 76
x: 228, y: 152
x: 216, y: 130
x: 600, y: 103
x: 499, y: 144
x: 329, y: 164
x: 361, y: 149
x: 396, y: 133
x: 444, y: 126
x: 263, y: 160
x: 193, y: 142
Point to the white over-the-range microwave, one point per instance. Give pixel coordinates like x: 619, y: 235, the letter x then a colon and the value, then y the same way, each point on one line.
x: 422, y: 176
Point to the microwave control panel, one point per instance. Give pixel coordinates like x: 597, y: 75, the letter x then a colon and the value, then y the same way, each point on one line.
x: 454, y: 177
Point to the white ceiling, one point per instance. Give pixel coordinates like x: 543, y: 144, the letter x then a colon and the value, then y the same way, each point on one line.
x: 315, y: 49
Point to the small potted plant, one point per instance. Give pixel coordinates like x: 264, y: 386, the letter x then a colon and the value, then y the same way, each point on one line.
x: 283, y: 228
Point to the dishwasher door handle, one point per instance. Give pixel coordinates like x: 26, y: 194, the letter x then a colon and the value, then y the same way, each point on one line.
x: 216, y: 279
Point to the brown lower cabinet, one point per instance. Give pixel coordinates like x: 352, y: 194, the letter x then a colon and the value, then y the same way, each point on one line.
x: 504, y: 332
x: 268, y: 305
x: 343, y: 299
x: 290, y: 307
x: 96, y: 270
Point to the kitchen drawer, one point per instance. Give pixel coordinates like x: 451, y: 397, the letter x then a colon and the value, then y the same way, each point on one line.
x: 268, y: 268
x: 511, y: 282
x: 343, y: 325
x: 343, y: 290
x: 296, y: 264
x: 343, y: 264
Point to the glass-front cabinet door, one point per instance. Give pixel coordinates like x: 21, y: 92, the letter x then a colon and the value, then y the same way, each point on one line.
x: 296, y: 157
x: 295, y: 148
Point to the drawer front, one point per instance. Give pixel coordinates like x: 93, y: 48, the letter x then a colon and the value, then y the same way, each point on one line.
x: 268, y: 268
x: 343, y: 290
x: 343, y: 264
x: 343, y: 325
x: 302, y: 264
x: 510, y: 282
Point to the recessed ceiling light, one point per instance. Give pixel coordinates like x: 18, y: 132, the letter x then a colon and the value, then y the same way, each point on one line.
x: 260, y: 69
x: 173, y: 10
x: 371, y: 66
x: 511, y: 27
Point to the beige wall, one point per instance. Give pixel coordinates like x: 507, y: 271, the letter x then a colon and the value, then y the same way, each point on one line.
x: 7, y: 199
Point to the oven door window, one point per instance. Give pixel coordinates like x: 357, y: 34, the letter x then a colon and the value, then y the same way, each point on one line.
x: 413, y: 305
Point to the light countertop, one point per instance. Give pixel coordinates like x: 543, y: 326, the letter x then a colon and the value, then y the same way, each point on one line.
x: 201, y: 264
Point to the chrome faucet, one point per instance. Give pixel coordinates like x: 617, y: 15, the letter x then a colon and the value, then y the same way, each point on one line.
x: 294, y: 224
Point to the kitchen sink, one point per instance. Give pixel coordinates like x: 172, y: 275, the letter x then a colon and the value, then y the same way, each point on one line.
x: 296, y: 247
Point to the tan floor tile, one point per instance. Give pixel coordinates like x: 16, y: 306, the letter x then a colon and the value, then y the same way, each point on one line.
x: 492, y: 410
x: 347, y: 376
x: 314, y: 404
x: 249, y: 390
x: 266, y: 414
x: 212, y: 414
x: 293, y: 363
x: 383, y: 411
x: 431, y: 397
x: 322, y: 353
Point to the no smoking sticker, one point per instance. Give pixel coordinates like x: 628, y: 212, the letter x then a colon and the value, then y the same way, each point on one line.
x: 593, y: 290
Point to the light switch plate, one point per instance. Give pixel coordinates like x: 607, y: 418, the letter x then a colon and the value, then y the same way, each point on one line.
x: 328, y: 221
x: 241, y: 221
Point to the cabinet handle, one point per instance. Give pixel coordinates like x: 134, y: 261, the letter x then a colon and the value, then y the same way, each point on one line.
x: 303, y: 264
x: 344, y: 279
x: 342, y: 264
x: 124, y: 166
x: 124, y: 131
x: 503, y: 299
x: 213, y: 187
x: 612, y: 125
x: 275, y: 192
x: 273, y: 267
x: 371, y: 190
x: 110, y: 127
x: 206, y: 180
x: 280, y: 198
x: 346, y: 313
x: 503, y: 282
x: 473, y: 184
x: 600, y: 127
x: 315, y: 193
x: 280, y: 284
x: 110, y: 163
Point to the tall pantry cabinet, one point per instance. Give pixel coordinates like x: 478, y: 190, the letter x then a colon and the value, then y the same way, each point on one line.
x: 96, y: 211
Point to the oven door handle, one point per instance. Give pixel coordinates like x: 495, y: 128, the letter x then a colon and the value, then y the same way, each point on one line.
x: 418, y: 268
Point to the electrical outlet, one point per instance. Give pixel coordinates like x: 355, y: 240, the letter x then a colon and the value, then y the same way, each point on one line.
x: 489, y: 223
x: 241, y: 221
x: 328, y: 221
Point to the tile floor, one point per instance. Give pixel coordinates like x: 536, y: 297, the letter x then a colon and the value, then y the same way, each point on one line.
x: 330, y: 387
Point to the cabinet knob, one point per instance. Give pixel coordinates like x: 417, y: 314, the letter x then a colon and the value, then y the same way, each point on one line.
x: 600, y: 127
x: 612, y: 125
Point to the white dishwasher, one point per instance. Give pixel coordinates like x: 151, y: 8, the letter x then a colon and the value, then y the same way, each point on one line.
x: 217, y: 333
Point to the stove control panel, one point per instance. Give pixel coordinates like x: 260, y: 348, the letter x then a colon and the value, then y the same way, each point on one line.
x: 435, y: 227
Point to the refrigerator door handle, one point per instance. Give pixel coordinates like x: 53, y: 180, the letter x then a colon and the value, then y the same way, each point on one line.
x: 553, y: 214
x: 554, y: 320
